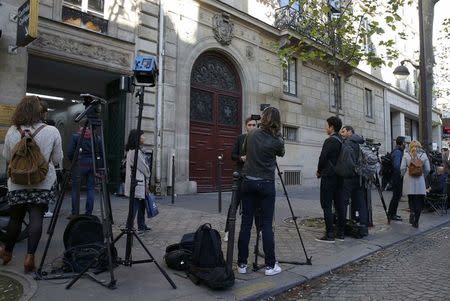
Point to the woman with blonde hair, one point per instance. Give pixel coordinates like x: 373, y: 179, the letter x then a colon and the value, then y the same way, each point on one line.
x: 414, y: 180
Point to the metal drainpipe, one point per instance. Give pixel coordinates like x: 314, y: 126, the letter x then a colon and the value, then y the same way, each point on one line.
x: 159, y: 99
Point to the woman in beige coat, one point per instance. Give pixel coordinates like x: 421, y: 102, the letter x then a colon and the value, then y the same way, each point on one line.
x: 414, y: 186
x: 142, y: 177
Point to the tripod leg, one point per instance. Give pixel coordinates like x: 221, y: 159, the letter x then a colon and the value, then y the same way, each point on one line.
x: 154, y: 261
x: 56, y: 211
x: 380, y: 192
x: 294, y: 218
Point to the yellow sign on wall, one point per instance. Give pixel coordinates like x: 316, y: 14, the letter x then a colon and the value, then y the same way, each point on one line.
x: 6, y: 112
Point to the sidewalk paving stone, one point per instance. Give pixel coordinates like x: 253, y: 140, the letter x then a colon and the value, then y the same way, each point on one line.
x: 145, y: 282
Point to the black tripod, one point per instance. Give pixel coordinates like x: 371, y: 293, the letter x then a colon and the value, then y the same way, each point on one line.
x: 256, y: 267
x: 129, y: 230
x: 93, y: 123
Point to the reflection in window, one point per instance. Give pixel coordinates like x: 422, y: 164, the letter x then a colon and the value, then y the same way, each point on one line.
x: 82, y: 19
x: 290, y: 77
x: 336, y: 97
x: 368, y: 100
x: 228, y: 110
x: 201, y: 106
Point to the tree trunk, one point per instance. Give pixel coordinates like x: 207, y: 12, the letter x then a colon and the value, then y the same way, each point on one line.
x: 426, y: 15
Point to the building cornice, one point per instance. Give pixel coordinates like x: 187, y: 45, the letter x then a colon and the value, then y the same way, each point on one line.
x: 243, y: 17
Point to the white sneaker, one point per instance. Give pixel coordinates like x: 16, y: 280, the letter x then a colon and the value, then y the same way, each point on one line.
x: 273, y: 271
x: 225, y: 236
x: 48, y: 214
x: 242, y: 268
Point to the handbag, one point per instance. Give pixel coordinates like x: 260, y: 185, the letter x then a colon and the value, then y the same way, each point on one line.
x: 150, y: 205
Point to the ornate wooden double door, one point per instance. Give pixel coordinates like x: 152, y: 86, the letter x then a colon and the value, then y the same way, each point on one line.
x: 215, y: 120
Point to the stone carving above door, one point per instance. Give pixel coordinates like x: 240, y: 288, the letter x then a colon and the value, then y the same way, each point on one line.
x: 70, y: 46
x: 223, y: 28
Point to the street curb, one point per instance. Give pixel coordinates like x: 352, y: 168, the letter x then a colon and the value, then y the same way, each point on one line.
x: 281, y: 289
x: 28, y: 283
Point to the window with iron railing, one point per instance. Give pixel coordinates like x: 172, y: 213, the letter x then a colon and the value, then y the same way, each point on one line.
x: 86, y: 14
x: 290, y: 133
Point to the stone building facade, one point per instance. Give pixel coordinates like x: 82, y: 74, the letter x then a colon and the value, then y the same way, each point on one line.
x: 219, y: 65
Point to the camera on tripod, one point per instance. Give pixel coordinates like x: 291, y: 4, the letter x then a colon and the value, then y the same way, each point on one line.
x: 145, y: 73
x: 374, y: 146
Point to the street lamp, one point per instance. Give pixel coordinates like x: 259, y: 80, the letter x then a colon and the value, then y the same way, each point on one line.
x: 401, y: 72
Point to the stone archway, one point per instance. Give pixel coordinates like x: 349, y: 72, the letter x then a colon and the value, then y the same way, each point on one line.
x: 215, y: 119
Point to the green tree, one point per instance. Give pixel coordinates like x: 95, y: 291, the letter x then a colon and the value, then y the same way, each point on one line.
x: 340, y: 34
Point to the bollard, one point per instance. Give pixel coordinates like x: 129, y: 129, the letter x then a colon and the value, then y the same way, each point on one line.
x: 173, y: 179
x: 219, y: 180
x: 231, y: 221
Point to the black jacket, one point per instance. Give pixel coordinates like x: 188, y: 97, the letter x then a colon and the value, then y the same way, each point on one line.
x: 237, y: 152
x: 261, y: 149
x: 329, y: 156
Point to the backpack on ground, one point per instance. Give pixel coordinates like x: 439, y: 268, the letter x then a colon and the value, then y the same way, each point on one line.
x: 28, y: 166
x: 208, y: 265
x: 353, y: 229
x: 346, y: 163
x: 179, y: 256
x: 368, y: 163
x: 84, y: 241
x: 415, y: 167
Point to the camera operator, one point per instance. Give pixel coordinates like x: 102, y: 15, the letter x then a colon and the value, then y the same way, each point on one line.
x: 351, y: 186
x: 238, y: 156
x: 260, y: 147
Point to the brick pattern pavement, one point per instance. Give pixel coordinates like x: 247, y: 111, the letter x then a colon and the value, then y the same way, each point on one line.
x: 418, y: 269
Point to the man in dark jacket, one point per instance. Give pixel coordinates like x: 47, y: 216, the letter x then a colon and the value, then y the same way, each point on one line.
x: 329, y: 184
x: 397, y: 180
x: 351, y: 186
x: 238, y: 156
x: 84, y: 167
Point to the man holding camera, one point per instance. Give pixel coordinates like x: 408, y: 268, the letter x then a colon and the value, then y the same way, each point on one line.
x: 238, y: 156
x: 260, y: 147
x: 351, y: 186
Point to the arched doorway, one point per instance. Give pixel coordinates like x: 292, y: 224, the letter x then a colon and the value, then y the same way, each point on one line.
x: 215, y: 120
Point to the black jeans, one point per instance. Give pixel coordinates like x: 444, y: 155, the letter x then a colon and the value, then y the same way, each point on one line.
x: 416, y: 204
x: 397, y: 187
x: 139, y: 209
x: 351, y: 188
x: 36, y: 215
x: 329, y: 193
x: 257, y: 194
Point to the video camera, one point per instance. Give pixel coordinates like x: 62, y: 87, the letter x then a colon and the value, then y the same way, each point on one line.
x: 374, y: 146
x: 262, y: 107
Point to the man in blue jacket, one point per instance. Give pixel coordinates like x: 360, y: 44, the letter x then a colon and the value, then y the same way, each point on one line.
x: 397, y: 180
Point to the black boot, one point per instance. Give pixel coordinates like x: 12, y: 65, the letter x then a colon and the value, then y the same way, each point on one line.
x: 411, y: 218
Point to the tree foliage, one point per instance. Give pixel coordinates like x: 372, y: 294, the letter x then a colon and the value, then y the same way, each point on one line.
x: 442, y: 71
x: 342, y: 38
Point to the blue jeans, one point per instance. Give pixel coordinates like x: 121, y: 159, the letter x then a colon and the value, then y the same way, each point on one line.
x: 139, y: 208
x: 257, y: 194
x: 88, y: 173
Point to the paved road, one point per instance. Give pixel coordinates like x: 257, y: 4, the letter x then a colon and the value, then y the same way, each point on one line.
x: 417, y: 269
